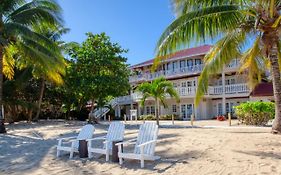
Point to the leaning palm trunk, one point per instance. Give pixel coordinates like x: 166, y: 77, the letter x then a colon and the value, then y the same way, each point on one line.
x: 40, y: 99
x: 276, y: 81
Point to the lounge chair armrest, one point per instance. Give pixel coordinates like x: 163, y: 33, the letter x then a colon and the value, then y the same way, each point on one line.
x: 128, y: 142
x: 97, y: 138
x: 67, y: 138
x: 146, y: 143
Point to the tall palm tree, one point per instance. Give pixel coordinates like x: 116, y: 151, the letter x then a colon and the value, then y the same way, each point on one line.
x: 17, y: 36
x: 157, y: 89
x: 244, y: 29
x: 53, y: 68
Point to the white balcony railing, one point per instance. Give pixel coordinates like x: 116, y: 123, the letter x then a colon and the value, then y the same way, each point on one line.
x: 229, y: 89
x: 178, y: 72
x: 168, y: 73
x: 191, y: 91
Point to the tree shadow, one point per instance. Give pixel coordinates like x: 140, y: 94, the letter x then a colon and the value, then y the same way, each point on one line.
x: 261, y: 154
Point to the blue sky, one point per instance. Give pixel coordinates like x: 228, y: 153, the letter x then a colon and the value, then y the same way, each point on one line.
x: 135, y: 24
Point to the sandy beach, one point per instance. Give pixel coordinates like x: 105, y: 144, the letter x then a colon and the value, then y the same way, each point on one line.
x: 209, y: 148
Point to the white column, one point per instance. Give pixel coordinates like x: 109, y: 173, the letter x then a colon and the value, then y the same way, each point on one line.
x: 131, y: 105
x: 119, y: 110
x: 116, y: 111
x: 139, y: 110
x: 223, y: 93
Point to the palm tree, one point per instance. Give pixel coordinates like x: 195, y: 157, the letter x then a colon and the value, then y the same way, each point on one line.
x: 244, y: 29
x: 158, y: 89
x: 55, y: 67
x: 17, y: 36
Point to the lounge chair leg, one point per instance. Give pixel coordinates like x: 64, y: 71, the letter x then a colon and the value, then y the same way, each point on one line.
x: 120, y: 160
x: 107, y: 156
x: 90, y: 155
x: 71, y: 155
x: 58, y: 153
x: 142, y: 163
x: 141, y: 156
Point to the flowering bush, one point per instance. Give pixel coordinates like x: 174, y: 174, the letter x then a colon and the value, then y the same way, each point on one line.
x: 220, y: 118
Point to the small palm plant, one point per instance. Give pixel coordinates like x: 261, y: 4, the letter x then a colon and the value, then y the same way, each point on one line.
x: 157, y: 89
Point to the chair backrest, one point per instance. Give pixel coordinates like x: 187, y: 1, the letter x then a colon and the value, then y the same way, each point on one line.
x: 147, y: 132
x: 85, y: 133
x: 115, y: 132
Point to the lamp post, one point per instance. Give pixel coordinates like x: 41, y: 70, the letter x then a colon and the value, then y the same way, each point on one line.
x: 2, y: 125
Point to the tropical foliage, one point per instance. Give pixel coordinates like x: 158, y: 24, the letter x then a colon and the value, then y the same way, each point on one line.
x: 157, y: 89
x: 245, y: 29
x: 20, y: 44
x: 97, y: 71
x: 255, y: 113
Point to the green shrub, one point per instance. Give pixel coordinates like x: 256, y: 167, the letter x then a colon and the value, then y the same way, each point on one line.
x: 147, y: 117
x: 162, y: 117
x: 255, y: 113
x: 168, y: 117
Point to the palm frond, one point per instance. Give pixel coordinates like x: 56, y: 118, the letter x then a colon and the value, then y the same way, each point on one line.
x: 225, y: 50
x: 47, y: 11
x: 199, y: 25
x: 250, y: 63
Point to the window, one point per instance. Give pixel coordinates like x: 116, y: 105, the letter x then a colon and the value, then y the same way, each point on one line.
x: 230, y: 81
x: 147, y: 110
x: 183, y: 111
x: 189, y: 83
x: 174, y: 65
x: 174, y: 108
x: 198, y: 61
x: 183, y: 84
x: 152, y: 110
x: 229, y: 108
x: 175, y: 85
x: 182, y: 63
x: 189, y: 63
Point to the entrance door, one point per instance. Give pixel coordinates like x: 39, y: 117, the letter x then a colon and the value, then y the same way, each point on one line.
x: 186, y: 111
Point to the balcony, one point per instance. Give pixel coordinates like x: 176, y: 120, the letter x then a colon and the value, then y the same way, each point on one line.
x: 213, y: 91
x: 167, y: 73
x: 191, y: 70
x: 229, y: 89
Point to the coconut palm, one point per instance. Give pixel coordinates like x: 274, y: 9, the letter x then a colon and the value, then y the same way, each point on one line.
x: 157, y: 89
x: 53, y: 68
x: 245, y: 29
x: 17, y: 38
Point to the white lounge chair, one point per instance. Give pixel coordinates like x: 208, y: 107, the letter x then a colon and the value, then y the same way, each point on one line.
x: 144, y: 144
x: 85, y: 133
x: 115, y: 133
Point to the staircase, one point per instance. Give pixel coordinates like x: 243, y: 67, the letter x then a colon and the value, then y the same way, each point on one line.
x: 100, y: 112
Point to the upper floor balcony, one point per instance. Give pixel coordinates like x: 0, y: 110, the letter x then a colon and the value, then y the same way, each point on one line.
x: 234, y: 90
x: 178, y: 72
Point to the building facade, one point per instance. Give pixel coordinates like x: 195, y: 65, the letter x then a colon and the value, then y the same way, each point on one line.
x: 183, y: 69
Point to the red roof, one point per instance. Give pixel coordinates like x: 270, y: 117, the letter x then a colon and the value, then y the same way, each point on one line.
x: 263, y: 89
x: 195, y: 51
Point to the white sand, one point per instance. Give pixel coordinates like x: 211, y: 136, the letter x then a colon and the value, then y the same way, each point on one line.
x: 183, y: 150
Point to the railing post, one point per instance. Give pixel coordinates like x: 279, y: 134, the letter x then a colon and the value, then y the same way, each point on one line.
x: 173, y: 122
x: 125, y: 118
x: 229, y: 118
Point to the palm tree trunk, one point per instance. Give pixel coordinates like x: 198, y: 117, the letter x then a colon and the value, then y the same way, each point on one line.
x: 276, y: 81
x: 156, y: 111
x: 2, y: 126
x: 40, y: 99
